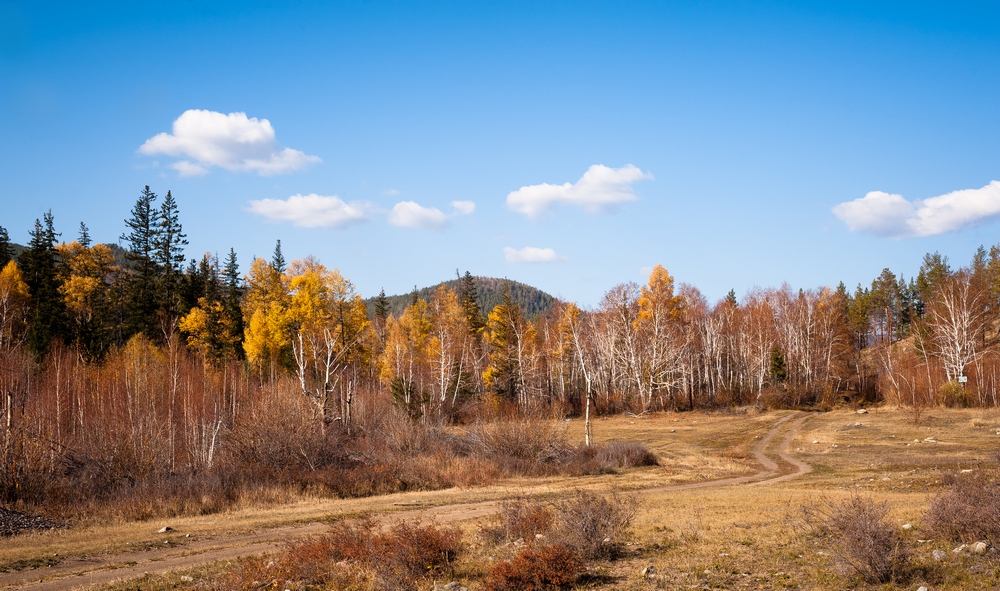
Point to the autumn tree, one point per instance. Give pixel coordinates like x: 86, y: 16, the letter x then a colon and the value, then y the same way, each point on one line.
x: 405, y: 366
x: 14, y: 306
x: 957, y: 318
x: 266, y: 335
x: 327, y: 320
x: 659, y: 322
x: 511, y: 350
x: 86, y: 290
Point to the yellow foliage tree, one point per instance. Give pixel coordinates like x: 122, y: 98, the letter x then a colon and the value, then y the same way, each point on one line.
x: 14, y: 301
x: 265, y: 313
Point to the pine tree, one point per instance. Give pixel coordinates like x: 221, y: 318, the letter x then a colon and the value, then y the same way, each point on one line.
x: 6, y: 251
x: 41, y: 274
x: 278, y: 259
x: 731, y: 298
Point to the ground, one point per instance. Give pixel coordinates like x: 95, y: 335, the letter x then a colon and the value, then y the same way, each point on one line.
x: 723, y: 510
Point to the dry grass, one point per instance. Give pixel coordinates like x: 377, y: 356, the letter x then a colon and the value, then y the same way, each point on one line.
x: 737, y: 537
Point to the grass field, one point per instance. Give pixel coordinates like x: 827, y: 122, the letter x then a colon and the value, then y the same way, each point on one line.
x: 745, y: 536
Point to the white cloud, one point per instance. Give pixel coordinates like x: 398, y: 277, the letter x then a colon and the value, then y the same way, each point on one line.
x: 599, y: 189
x: 204, y: 139
x: 885, y: 214
x: 410, y: 214
x: 464, y: 207
x: 390, y: 192
x: 312, y: 211
x: 531, y: 254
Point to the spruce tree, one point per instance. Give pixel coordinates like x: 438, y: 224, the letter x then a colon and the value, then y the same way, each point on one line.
x: 41, y: 274
x: 469, y: 299
x: 84, y: 239
x: 278, y: 259
x: 234, y: 295
x: 142, y: 268
x: 169, y: 241
x: 6, y: 250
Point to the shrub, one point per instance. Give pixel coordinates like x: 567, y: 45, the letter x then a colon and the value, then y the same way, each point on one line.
x: 866, y: 543
x: 518, y: 518
x: 595, y: 526
x: 353, y: 554
x: 519, y: 443
x: 968, y: 511
x: 546, y: 568
x: 625, y: 454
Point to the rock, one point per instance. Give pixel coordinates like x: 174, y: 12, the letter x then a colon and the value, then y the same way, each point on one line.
x: 862, y: 411
x: 539, y: 536
x: 858, y: 424
x: 979, y: 548
x: 186, y: 579
x: 938, y: 555
x: 454, y: 586
x: 13, y: 522
x: 930, y: 439
x: 649, y: 571
x: 816, y: 441
x: 907, y: 526
x: 960, y: 549
x: 922, y: 588
x: 165, y: 529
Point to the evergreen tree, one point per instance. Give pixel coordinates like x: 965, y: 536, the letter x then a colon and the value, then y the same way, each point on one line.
x: 169, y: 241
x: 731, y: 298
x: 779, y: 371
x: 41, y: 274
x: 84, y: 239
x: 143, y: 272
x: 234, y: 296
x: 469, y: 299
x: 278, y: 259
x: 6, y: 250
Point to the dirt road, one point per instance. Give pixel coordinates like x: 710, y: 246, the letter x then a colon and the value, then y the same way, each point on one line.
x: 81, y: 572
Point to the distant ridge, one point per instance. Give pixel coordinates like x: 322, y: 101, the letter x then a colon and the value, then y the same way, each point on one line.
x: 489, y: 292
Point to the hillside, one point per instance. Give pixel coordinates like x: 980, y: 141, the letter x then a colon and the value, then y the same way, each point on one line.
x: 489, y: 290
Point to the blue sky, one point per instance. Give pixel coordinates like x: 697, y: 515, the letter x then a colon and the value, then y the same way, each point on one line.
x: 571, y: 146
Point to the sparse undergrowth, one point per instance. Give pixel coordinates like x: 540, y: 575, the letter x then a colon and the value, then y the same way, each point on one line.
x: 967, y: 511
x: 354, y: 556
x: 864, y: 540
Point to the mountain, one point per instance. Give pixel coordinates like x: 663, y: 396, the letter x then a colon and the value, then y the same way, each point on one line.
x: 489, y: 292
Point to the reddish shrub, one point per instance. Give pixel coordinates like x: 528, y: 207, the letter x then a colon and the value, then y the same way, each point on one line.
x: 518, y: 518
x: 547, y: 568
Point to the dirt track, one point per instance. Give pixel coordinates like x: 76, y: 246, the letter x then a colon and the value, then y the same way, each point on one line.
x: 81, y: 572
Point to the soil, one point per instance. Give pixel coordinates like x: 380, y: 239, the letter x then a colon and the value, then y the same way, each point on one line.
x: 189, y: 552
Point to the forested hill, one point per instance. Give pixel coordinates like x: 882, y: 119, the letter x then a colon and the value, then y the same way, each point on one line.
x: 489, y: 290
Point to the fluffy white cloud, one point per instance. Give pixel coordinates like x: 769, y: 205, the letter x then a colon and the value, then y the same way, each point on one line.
x: 234, y: 142
x: 531, y: 254
x: 464, y: 207
x: 599, y: 189
x: 311, y: 211
x: 885, y: 214
x: 410, y: 214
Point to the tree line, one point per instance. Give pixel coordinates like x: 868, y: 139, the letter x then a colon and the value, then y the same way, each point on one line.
x: 644, y: 347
